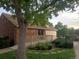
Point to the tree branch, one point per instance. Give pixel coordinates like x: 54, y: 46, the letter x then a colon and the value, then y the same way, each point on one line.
x: 46, y: 6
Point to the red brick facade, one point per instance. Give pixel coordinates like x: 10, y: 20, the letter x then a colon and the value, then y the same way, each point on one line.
x: 7, y: 28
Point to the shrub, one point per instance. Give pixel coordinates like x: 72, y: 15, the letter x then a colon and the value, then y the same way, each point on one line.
x: 41, y: 46
x: 31, y: 47
x: 63, y: 43
x: 4, y: 42
x: 11, y: 43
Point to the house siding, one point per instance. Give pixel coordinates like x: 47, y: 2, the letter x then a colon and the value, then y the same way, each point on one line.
x: 51, y: 34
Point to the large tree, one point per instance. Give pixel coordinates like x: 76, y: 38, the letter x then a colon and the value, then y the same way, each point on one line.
x: 34, y: 12
x: 59, y: 26
x: 64, y: 32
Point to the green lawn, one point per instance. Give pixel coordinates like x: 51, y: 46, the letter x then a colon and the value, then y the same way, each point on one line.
x: 51, y: 54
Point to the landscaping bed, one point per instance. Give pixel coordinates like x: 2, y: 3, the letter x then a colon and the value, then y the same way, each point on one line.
x: 58, y: 49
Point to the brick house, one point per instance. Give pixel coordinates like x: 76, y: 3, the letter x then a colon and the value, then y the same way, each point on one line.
x: 9, y: 27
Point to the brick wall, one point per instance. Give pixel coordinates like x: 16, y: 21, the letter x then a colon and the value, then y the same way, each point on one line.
x: 31, y: 35
x: 7, y: 28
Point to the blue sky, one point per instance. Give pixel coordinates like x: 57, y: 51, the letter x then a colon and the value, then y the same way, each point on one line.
x: 67, y: 18
x: 2, y: 10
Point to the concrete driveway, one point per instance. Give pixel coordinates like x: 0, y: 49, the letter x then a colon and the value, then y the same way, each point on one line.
x: 76, y: 48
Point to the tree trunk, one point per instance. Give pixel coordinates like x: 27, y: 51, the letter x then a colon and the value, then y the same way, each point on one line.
x: 21, y: 44
x: 22, y: 27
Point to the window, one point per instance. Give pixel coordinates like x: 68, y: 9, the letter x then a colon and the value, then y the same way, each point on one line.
x: 40, y: 32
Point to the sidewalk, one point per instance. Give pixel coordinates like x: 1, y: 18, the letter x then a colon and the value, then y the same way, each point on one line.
x: 8, y: 49
x: 76, y: 48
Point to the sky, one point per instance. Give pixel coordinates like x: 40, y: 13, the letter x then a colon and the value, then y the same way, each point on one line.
x: 67, y: 18
x: 71, y: 19
x: 3, y: 11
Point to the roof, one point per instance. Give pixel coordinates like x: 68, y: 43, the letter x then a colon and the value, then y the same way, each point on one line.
x: 47, y: 28
x: 12, y: 19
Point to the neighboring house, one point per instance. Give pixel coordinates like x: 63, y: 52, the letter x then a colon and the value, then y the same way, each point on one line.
x: 9, y: 27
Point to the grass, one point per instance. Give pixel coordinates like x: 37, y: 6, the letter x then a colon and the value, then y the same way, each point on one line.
x: 48, y: 54
x: 53, y: 54
x: 9, y: 55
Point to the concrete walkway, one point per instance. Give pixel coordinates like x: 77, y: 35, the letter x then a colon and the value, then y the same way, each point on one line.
x: 76, y: 48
